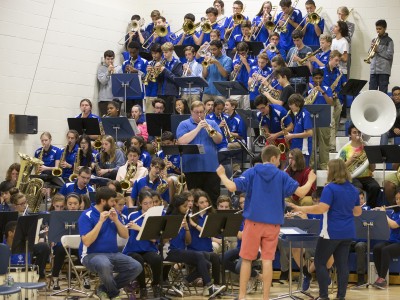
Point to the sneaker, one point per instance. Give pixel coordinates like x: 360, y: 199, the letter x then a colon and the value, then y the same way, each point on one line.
x: 380, y: 283
x: 178, y: 289
x: 86, y: 283
x: 251, y: 285
x: 102, y: 295
x: 130, y: 289
x: 306, y: 283
x: 213, y: 290
x: 322, y: 298
x: 360, y: 279
x: 143, y: 293
x: 284, y: 276
x: 56, y: 285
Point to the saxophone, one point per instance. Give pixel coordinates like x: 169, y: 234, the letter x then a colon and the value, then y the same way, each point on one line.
x: 75, y: 168
x: 58, y: 171
x: 37, y: 171
x: 335, y: 84
x: 180, y: 184
x: 310, y: 99
x: 130, y: 173
x: 32, y: 188
x: 97, y: 143
x: 282, y: 146
x: 162, y: 187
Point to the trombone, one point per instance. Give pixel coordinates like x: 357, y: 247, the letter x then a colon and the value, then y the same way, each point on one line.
x: 237, y: 19
x: 135, y: 27
x: 311, y: 18
x: 206, y: 25
x: 160, y: 30
x: 269, y: 25
x: 283, y: 28
x: 188, y: 27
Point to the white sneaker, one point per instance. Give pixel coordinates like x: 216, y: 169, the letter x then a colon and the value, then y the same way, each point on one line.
x: 251, y: 285
x: 213, y: 290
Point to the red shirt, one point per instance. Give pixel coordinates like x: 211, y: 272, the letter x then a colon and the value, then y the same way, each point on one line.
x: 301, y: 177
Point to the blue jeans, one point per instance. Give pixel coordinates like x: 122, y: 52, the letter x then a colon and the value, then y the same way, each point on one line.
x: 340, y: 250
x: 105, y: 264
x: 386, y: 136
x: 379, y: 82
x: 233, y: 262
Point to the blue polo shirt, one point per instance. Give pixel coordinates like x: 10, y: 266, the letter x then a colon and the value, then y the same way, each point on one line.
x: 90, y: 116
x: 286, y: 40
x: 187, y: 40
x: 134, y: 245
x: 198, y: 243
x: 145, y: 181
x: 174, y: 159
x: 330, y: 77
x: 206, y: 36
x: 310, y: 37
x: 69, y: 158
x: 207, y: 162
x: 178, y: 242
x: 237, y: 30
x: 237, y: 125
x: 395, y: 233
x: 273, y: 120
x: 72, y: 187
x: 106, y: 241
x: 215, y: 75
x: 49, y: 157
x: 339, y: 220
x: 243, y: 75
x: 302, y: 122
x: 271, y: 54
x: 322, y: 57
x: 263, y: 33
x: 266, y: 188
x: 320, y: 98
x: 85, y: 161
x: 216, y: 119
x: 145, y: 158
x: 264, y: 73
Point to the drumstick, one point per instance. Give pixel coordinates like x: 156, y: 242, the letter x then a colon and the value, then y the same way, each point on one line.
x: 199, y: 212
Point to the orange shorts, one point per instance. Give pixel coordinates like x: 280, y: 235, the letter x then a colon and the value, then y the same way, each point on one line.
x: 259, y: 236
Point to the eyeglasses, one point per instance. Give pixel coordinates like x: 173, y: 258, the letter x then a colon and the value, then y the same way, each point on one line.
x: 20, y: 204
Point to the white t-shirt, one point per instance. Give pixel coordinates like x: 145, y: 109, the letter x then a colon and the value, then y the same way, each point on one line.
x: 342, y: 46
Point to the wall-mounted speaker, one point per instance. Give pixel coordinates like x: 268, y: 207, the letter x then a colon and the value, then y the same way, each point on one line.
x: 23, y: 124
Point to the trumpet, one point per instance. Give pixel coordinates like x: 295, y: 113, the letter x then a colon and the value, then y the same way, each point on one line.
x: 150, y: 75
x: 372, y: 50
x: 254, y: 80
x: 211, y: 131
x: 206, y: 62
x: 204, y: 51
x: 236, y: 72
x: 189, y: 63
x: 272, y: 47
x: 229, y: 137
x: 160, y: 30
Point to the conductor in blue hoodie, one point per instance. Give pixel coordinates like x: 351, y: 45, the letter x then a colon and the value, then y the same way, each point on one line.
x: 266, y: 188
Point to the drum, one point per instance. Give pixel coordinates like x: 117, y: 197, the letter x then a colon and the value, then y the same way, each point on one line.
x: 17, y: 273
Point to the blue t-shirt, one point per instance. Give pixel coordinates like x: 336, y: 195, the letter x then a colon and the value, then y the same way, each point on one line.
x: 266, y: 188
x: 273, y: 120
x: 207, y: 162
x: 302, y: 123
x: 134, y: 245
x: 145, y: 181
x: 49, y: 157
x: 215, y: 75
x: 338, y: 222
x: 198, y: 243
x: 395, y: 233
x: 106, y: 241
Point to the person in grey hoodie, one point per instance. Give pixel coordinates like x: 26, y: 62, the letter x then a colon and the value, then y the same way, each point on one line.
x: 381, y: 63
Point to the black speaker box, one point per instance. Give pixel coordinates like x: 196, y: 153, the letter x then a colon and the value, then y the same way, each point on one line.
x: 23, y: 124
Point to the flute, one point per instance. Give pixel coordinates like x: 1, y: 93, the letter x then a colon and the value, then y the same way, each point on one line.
x: 238, y: 212
x: 392, y: 206
x: 138, y: 218
x: 199, y: 212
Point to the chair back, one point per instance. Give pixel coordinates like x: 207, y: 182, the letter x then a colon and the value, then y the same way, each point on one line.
x: 71, y: 241
x: 5, y: 254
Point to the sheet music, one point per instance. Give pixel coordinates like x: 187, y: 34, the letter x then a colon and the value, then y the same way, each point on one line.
x: 288, y: 230
x: 155, y: 211
x: 39, y: 225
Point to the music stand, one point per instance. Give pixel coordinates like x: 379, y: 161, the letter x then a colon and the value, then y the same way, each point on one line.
x: 24, y: 239
x: 88, y: 126
x: 126, y: 85
x: 160, y: 228
x: 226, y: 157
x: 254, y: 47
x: 295, y: 235
x: 181, y: 150
x: 189, y: 82
x: 5, y: 217
x: 176, y: 120
x: 118, y: 128
x: 224, y: 225
x: 300, y: 72
x: 228, y: 88
x: 65, y: 223
x: 352, y: 88
x: 158, y: 123
x: 251, y: 120
x: 321, y: 115
x: 371, y: 225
